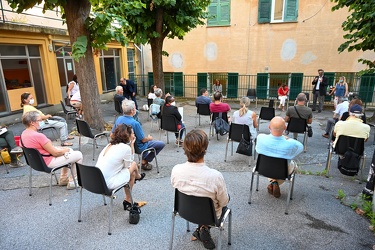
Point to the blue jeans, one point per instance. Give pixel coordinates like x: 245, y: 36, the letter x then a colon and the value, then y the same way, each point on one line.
x: 158, y: 145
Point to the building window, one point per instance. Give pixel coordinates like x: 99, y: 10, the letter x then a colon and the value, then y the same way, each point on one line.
x: 131, y: 64
x: 277, y: 11
x: 219, y: 13
x: 110, y: 68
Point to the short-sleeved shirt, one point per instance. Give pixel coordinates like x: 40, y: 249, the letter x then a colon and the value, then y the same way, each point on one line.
x: 352, y: 127
x: 137, y: 128
x: 278, y: 146
x: 28, y: 108
x: 219, y: 108
x: 342, y: 108
x: 304, y: 112
x: 159, y: 101
x: 33, y: 139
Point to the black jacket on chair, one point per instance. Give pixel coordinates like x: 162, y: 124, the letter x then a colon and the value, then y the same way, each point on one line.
x: 322, y: 86
x: 171, y: 110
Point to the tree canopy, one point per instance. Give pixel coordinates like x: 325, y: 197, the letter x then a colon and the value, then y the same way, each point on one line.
x: 360, y: 26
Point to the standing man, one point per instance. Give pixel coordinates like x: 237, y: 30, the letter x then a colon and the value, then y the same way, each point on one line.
x: 320, y: 83
x: 299, y: 111
x: 203, y: 98
x: 129, y: 90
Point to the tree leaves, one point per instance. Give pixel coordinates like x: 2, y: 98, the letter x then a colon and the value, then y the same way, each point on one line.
x: 79, y: 48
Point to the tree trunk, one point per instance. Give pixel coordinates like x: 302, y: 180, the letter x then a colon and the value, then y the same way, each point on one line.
x: 76, y: 12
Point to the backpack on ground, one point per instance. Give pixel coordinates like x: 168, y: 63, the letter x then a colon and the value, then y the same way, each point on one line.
x: 221, y: 126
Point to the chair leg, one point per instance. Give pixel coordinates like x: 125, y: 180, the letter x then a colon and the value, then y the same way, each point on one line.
x: 289, y: 194
x: 305, y: 137
x: 251, y: 187
x: 93, y: 149
x: 50, y: 189
x: 172, y: 233
x: 110, y: 216
x: 230, y: 228
x: 219, y: 238
x: 30, y: 181
x: 328, y: 164
x: 156, y: 160
x: 104, y: 201
x: 80, y: 206
x: 187, y: 226
x: 79, y: 142
x: 226, y: 150
x: 257, y: 189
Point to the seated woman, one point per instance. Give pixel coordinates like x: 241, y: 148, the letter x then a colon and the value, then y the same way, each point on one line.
x: 246, y: 116
x: 59, y: 123
x: 170, y: 109
x: 7, y: 141
x: 52, y: 156
x: 282, y: 93
x: 217, y: 87
x: 151, y: 94
x: 116, y: 161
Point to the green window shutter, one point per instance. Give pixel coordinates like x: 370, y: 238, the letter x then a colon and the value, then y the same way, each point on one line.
x: 232, y: 85
x: 150, y: 79
x: 330, y: 82
x: 291, y: 10
x: 202, y: 82
x: 262, y: 82
x: 219, y: 13
x: 264, y: 11
x: 213, y: 15
x: 178, y: 79
x: 296, y: 80
x: 366, y: 89
x: 224, y: 11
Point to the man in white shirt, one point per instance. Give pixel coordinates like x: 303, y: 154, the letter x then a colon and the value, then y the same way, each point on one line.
x: 341, y: 108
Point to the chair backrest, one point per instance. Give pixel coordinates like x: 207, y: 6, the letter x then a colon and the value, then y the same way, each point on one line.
x: 169, y: 123
x: 63, y: 107
x: 224, y: 115
x: 154, y: 109
x: 297, y: 125
x: 344, y: 142
x: 118, y: 107
x: 203, y: 109
x: 83, y: 128
x: 91, y: 178
x: 198, y: 210
x: 307, y: 94
x: 149, y: 102
x: 236, y: 131
x: 271, y: 167
x: 136, y: 148
x: 35, y: 160
x: 251, y: 93
x: 267, y: 113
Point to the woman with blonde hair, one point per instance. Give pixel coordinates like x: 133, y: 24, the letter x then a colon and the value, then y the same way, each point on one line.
x: 339, y: 90
x: 246, y: 116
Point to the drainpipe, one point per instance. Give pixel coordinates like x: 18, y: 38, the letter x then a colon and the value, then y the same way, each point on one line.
x: 142, y: 68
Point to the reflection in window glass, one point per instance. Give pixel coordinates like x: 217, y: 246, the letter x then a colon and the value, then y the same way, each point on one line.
x: 16, y: 73
x: 33, y: 50
x: 7, y: 50
x: 36, y: 70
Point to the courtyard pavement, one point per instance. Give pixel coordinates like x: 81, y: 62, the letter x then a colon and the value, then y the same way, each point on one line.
x: 316, y: 220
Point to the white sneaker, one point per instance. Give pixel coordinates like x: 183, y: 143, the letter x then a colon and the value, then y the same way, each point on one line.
x: 16, y: 150
x: 17, y: 164
x: 71, y: 186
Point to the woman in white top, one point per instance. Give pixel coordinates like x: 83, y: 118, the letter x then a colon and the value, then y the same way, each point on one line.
x: 73, y: 87
x: 151, y: 94
x: 246, y: 116
x: 116, y: 161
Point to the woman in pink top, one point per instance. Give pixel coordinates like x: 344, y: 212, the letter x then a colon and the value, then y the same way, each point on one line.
x: 53, y: 156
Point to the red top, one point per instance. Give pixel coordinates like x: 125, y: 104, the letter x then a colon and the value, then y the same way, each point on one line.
x: 283, y: 91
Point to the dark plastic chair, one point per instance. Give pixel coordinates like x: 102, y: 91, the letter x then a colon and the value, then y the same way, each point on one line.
x: 235, y: 134
x: 342, y: 145
x: 274, y: 168
x: 85, y: 130
x: 169, y: 124
x: 252, y: 95
x: 202, y: 109
x: 299, y: 126
x: 224, y: 116
x: 35, y: 160
x: 140, y: 156
x: 266, y: 113
x: 91, y: 178
x: 149, y: 102
x: 118, y: 108
x: 67, y: 112
x: 201, y: 211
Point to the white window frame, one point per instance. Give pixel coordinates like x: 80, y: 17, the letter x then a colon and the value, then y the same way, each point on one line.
x: 273, y: 12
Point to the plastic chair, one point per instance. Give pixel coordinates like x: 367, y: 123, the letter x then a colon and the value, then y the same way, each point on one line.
x: 224, y: 116
x: 274, y: 168
x: 85, y: 130
x: 35, y: 160
x: 236, y: 131
x: 67, y: 112
x: 169, y: 124
x: 299, y: 126
x: 118, y: 108
x: 202, y: 109
x: 342, y: 145
x: 201, y: 211
x: 252, y: 95
x: 140, y: 156
x: 266, y: 113
x: 91, y: 178
x: 154, y: 117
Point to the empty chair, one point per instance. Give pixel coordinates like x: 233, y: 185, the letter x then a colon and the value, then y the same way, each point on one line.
x: 236, y: 132
x: 202, y: 109
x: 91, y: 178
x: 298, y: 126
x: 140, y: 155
x: 266, y: 113
x: 67, y: 112
x: 252, y: 94
x: 342, y: 145
x: 201, y: 211
x: 274, y: 168
x: 169, y: 123
x: 35, y: 161
x: 85, y: 130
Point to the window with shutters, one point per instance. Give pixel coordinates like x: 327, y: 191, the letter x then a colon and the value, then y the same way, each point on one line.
x: 277, y: 11
x: 219, y: 13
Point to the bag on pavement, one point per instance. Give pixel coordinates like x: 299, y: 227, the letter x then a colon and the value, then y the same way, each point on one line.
x: 5, y: 156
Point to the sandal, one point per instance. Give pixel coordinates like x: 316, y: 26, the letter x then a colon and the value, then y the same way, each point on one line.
x: 127, y: 205
x: 66, y: 144
x: 70, y: 137
x: 142, y: 177
x: 146, y: 166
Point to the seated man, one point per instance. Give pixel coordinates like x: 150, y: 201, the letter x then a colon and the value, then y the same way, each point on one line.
x: 353, y: 126
x: 7, y: 141
x: 119, y: 97
x: 194, y: 177
x: 280, y: 146
x: 299, y: 111
x: 203, y: 98
x: 341, y: 108
x: 218, y: 106
x: 143, y: 142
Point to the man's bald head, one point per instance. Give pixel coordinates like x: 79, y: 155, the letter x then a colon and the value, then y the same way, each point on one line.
x: 277, y: 126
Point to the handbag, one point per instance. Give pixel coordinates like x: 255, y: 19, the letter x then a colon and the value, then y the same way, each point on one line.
x: 245, y: 147
x: 134, y: 213
x: 309, y: 128
x: 5, y: 156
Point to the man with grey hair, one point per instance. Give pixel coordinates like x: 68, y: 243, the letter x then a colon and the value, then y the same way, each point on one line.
x: 299, y: 111
x: 341, y: 108
x: 353, y: 126
x: 143, y: 142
